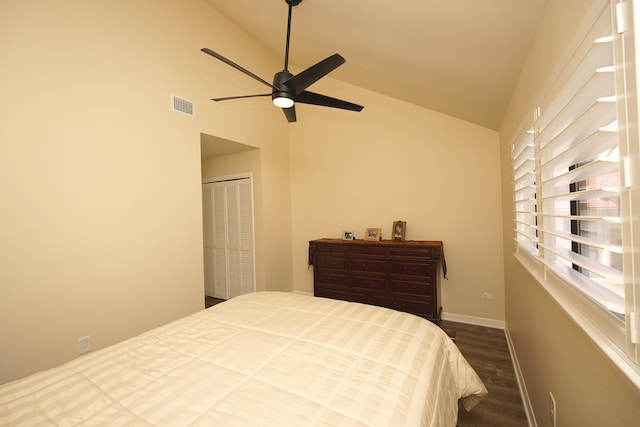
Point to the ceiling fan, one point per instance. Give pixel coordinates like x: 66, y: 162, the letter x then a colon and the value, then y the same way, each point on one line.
x: 287, y: 89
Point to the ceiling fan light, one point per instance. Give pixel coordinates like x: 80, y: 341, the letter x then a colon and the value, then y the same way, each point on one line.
x: 283, y: 102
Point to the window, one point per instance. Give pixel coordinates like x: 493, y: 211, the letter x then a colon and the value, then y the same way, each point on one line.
x: 573, y: 191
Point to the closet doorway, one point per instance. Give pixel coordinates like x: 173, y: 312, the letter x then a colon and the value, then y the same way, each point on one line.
x: 229, y: 256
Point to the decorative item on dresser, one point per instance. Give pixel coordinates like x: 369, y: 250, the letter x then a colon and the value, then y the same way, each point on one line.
x: 399, y: 230
x: 373, y: 234
x: 402, y: 275
x: 348, y: 235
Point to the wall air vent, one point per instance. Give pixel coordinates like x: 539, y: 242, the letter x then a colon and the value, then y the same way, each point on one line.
x: 183, y: 106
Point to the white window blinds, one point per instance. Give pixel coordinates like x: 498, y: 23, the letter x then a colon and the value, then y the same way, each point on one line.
x: 579, y: 178
x: 524, y: 181
x: 566, y: 177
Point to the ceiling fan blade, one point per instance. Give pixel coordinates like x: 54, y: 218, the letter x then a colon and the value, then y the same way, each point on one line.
x: 290, y: 114
x: 226, y: 98
x: 306, y: 78
x: 236, y: 66
x: 307, y: 97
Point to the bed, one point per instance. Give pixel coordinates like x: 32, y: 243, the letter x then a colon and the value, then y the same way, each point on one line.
x: 260, y: 359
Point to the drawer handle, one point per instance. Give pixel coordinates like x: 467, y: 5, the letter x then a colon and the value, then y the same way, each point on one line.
x: 409, y: 269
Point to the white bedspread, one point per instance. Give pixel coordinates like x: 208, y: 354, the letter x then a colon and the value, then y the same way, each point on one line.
x: 263, y: 359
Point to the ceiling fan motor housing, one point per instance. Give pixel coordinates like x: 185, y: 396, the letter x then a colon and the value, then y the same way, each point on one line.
x: 283, y: 91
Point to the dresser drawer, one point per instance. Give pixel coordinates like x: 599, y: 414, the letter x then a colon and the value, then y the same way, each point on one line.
x: 330, y: 249
x: 329, y: 277
x: 425, y: 271
x: 412, y: 288
x: 367, y: 250
x: 332, y: 262
x: 369, y: 282
x: 370, y: 265
x: 408, y: 252
x: 344, y: 295
x: 421, y: 308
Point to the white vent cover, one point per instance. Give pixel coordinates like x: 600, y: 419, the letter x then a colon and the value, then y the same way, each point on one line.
x: 183, y: 106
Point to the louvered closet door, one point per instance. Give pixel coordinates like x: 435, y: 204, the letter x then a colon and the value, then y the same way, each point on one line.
x: 207, y: 238
x: 239, y: 237
x: 228, y: 240
x: 220, y: 270
x: 245, y: 237
x: 214, y: 239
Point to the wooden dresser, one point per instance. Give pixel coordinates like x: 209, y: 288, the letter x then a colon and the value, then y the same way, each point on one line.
x: 398, y: 275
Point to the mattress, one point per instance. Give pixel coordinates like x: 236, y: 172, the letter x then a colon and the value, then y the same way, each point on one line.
x: 260, y: 359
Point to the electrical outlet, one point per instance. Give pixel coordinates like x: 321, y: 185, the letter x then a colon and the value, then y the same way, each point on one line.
x: 84, y: 344
x: 552, y: 409
x: 487, y: 296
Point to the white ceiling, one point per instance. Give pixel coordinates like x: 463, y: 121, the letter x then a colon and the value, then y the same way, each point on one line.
x: 458, y: 57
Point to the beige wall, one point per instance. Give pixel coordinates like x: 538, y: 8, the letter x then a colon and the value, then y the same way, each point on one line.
x: 100, y: 226
x: 396, y: 161
x: 554, y: 354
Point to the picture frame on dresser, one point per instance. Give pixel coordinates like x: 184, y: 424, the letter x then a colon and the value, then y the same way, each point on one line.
x: 399, y: 230
x: 373, y: 234
x: 348, y: 235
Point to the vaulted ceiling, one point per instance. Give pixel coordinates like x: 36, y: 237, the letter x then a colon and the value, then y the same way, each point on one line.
x: 458, y: 57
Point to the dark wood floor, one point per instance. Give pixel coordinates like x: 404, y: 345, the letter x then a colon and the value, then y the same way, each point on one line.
x: 487, y: 352
x: 210, y: 301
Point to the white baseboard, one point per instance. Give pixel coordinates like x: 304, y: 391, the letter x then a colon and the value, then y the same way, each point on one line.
x: 473, y: 320
x: 528, y: 408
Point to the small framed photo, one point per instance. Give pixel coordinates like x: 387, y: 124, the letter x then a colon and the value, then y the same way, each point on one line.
x: 347, y: 235
x: 373, y: 234
x: 399, y: 230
